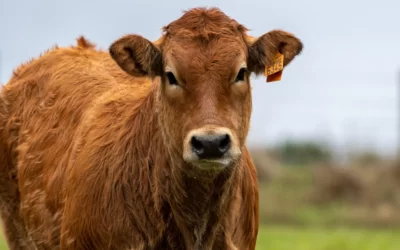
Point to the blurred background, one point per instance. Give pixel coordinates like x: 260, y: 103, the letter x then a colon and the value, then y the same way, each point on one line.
x: 325, y: 139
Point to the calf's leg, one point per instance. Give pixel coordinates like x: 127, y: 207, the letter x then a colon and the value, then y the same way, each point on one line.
x: 14, y: 229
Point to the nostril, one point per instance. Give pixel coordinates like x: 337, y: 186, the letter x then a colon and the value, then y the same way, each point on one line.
x: 197, y: 145
x: 210, y: 146
x: 225, y: 144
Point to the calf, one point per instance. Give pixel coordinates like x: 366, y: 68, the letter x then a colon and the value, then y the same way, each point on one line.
x: 140, y: 147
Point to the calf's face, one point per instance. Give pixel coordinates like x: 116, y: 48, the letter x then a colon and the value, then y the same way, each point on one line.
x: 206, y: 93
x: 204, y: 98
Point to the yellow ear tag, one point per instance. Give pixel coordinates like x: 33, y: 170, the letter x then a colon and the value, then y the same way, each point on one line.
x: 274, y: 72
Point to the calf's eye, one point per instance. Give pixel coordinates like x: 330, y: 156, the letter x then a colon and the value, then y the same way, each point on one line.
x: 171, y: 78
x: 240, y: 76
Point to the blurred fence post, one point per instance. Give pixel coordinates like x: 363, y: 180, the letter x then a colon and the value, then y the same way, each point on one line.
x: 398, y: 115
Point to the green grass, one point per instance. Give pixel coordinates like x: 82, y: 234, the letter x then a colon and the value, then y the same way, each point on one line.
x: 291, y: 238
x: 3, y: 244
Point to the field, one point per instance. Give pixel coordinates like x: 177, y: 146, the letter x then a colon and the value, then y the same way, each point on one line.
x: 329, y: 208
x: 296, y: 238
x: 292, y: 238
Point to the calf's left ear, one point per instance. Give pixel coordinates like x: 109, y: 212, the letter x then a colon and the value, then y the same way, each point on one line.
x: 262, y: 50
x: 137, y: 56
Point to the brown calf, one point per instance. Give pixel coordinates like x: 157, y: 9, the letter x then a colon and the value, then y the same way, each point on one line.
x: 139, y: 148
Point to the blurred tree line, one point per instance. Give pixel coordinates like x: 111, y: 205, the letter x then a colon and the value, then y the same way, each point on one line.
x: 303, y: 152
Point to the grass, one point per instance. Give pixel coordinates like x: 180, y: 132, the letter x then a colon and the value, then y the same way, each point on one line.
x: 314, y: 238
x: 3, y: 244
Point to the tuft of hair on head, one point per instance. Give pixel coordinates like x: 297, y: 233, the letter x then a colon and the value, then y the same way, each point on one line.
x: 204, y: 23
x: 84, y: 43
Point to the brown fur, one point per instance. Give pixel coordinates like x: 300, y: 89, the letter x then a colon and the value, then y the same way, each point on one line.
x: 91, y: 142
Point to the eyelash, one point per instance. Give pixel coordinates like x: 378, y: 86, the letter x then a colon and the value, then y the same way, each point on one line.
x: 241, y: 75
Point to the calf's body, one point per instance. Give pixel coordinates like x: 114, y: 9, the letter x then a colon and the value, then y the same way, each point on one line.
x: 117, y: 150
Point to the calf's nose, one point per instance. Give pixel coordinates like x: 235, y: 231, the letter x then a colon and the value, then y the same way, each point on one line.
x: 210, y: 146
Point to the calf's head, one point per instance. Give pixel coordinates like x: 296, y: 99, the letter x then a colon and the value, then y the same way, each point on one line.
x: 202, y: 63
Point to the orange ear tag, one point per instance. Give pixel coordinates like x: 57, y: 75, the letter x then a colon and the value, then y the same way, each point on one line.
x: 274, y: 72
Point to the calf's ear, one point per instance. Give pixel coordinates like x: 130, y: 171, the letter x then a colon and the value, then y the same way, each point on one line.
x: 137, y: 56
x: 262, y: 50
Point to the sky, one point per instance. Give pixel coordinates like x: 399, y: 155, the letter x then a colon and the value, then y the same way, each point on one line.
x: 344, y: 88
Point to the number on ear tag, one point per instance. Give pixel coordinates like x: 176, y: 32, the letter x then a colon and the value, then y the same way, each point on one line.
x: 274, y: 72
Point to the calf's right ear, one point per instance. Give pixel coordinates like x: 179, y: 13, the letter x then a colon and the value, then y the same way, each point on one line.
x: 137, y: 56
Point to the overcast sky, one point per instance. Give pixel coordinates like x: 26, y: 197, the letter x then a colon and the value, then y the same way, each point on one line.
x: 344, y: 87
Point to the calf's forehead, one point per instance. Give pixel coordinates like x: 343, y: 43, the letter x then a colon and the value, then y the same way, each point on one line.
x: 196, y: 57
